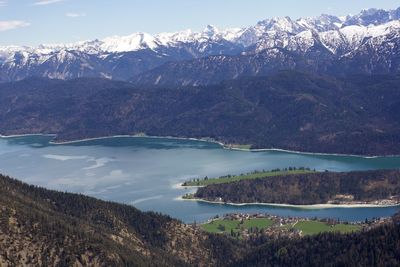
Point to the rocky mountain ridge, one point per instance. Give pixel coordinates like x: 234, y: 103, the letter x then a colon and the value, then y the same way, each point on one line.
x: 282, y: 41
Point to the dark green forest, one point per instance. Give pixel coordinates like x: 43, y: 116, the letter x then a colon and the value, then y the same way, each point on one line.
x: 377, y: 247
x: 287, y: 110
x: 308, y: 188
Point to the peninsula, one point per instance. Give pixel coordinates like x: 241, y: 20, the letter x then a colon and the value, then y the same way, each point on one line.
x: 198, y: 182
x: 381, y: 187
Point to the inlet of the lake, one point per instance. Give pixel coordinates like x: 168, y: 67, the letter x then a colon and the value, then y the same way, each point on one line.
x: 144, y: 172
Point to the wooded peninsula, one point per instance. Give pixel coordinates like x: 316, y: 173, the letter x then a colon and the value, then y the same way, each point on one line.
x: 381, y: 187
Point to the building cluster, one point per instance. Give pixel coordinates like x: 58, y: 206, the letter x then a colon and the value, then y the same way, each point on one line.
x: 285, y: 226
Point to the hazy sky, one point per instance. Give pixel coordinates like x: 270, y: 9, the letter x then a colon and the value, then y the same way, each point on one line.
x: 31, y: 22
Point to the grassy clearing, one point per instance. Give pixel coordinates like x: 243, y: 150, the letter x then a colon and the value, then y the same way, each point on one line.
x: 315, y: 227
x: 307, y: 227
x: 259, y: 223
x: 221, y: 226
x: 253, y: 175
x: 234, y: 146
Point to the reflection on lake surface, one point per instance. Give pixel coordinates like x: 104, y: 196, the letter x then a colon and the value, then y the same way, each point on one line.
x: 144, y: 172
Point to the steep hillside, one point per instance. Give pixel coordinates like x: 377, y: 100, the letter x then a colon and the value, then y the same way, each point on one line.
x: 377, y: 247
x: 39, y: 227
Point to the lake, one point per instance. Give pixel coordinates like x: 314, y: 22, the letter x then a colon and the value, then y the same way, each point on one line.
x: 144, y: 172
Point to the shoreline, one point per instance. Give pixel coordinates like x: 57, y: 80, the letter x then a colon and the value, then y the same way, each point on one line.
x: 206, y: 140
x: 186, y: 187
x: 136, y: 136
x: 306, y: 207
x: 25, y: 135
x: 305, y: 153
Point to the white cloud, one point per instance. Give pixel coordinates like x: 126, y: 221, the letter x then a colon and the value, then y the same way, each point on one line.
x: 6, y: 25
x: 75, y: 15
x: 46, y: 2
x: 3, y: 3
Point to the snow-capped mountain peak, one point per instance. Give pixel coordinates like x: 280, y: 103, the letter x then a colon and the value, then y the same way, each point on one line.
x: 241, y: 36
x: 338, y: 36
x: 210, y: 31
x: 134, y: 42
x: 373, y: 16
x: 168, y: 38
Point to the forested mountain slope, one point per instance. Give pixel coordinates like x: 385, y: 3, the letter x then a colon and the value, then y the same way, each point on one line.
x: 289, y: 110
x: 39, y: 227
x: 377, y: 247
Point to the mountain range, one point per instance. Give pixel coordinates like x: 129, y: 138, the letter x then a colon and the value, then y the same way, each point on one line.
x: 366, y: 43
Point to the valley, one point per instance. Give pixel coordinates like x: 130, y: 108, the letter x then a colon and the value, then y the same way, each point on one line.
x: 269, y: 143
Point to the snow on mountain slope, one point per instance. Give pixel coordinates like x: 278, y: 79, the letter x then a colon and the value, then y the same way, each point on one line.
x: 373, y: 16
x: 141, y: 51
x: 132, y: 42
x: 351, y: 26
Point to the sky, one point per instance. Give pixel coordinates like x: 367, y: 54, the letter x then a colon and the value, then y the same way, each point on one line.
x: 34, y: 22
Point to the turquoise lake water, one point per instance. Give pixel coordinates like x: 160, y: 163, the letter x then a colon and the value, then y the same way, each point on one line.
x: 144, y: 172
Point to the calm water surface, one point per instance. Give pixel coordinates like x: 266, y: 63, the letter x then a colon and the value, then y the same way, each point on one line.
x: 144, y: 172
